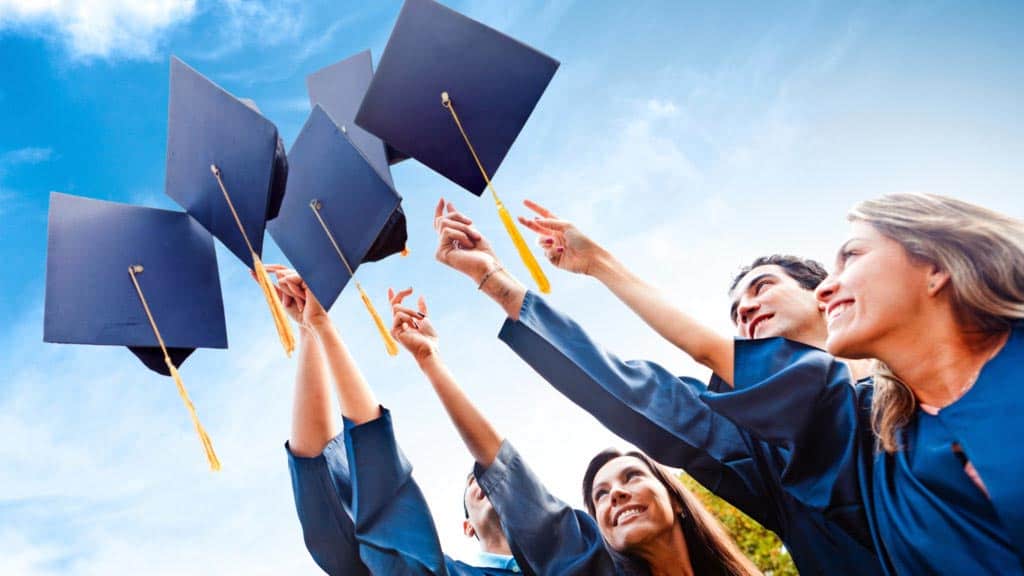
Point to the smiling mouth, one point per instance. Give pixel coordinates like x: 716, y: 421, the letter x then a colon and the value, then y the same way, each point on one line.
x: 627, y: 514
x: 836, y: 310
x: 757, y: 322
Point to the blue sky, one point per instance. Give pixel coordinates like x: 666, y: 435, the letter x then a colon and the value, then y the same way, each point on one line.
x: 689, y: 137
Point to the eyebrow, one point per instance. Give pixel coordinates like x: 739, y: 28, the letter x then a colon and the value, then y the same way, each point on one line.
x: 736, y: 303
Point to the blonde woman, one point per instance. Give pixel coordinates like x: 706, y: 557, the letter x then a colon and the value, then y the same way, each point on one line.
x: 928, y: 461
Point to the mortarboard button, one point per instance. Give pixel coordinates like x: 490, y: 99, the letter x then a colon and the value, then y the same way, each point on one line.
x: 337, y: 209
x: 454, y: 94
x: 170, y: 301
x: 226, y: 166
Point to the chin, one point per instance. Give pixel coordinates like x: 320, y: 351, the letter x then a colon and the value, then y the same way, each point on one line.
x: 845, y: 344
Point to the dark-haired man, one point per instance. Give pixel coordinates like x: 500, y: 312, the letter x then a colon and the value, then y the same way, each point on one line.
x: 663, y: 415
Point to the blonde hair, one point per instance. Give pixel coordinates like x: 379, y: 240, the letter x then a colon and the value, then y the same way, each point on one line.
x: 983, y: 253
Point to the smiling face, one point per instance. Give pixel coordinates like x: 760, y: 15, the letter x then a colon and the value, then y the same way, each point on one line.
x: 876, y: 296
x: 769, y: 302
x: 631, y: 506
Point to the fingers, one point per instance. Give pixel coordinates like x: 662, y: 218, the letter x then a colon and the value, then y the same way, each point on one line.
x: 449, y: 236
x: 540, y: 210
x: 396, y: 299
x: 532, y: 225
x: 553, y: 224
x: 407, y: 312
x: 459, y: 217
x: 439, y: 209
x: 463, y: 227
x: 422, y: 305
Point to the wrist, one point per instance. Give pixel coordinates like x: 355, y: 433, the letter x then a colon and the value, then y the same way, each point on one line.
x: 319, y: 325
x: 603, y: 266
x: 430, y: 359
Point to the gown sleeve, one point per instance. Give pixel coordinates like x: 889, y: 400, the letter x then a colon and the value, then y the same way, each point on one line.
x: 547, y: 536
x: 323, y: 496
x: 393, y: 525
x: 644, y: 404
x: 804, y: 400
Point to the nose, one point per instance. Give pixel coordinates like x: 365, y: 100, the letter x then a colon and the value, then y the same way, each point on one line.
x: 619, y: 496
x: 745, y: 311
x: 826, y: 290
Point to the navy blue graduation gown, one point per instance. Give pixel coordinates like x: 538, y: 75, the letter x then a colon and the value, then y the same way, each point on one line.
x: 547, y: 536
x: 919, y: 506
x: 667, y: 418
x: 362, y: 513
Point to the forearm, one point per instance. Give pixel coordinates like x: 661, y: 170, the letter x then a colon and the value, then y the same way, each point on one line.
x: 313, y: 419
x: 703, y: 344
x: 358, y: 403
x: 504, y: 289
x: 480, y: 437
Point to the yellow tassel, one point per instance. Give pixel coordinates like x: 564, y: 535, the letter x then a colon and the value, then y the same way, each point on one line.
x: 405, y: 251
x: 211, y: 456
x: 524, y: 250
x: 284, y: 328
x: 389, y: 342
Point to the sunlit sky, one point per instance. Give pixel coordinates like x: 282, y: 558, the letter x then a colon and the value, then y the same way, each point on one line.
x: 689, y: 137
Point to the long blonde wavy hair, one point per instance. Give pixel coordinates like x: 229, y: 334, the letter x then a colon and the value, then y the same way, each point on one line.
x: 983, y: 253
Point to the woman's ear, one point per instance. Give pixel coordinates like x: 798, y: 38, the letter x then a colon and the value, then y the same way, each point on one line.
x: 937, y: 280
x: 468, y: 529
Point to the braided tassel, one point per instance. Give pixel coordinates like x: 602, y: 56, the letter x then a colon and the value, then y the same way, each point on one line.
x: 389, y: 342
x: 284, y: 329
x: 211, y: 456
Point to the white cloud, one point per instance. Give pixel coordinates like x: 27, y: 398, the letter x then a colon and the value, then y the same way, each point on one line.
x: 662, y: 107
x: 30, y: 155
x: 104, y: 29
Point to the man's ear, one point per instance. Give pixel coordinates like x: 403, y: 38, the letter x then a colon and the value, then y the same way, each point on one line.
x: 468, y: 529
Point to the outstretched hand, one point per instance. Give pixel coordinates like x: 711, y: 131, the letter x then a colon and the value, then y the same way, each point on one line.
x: 296, y: 297
x: 564, y: 245
x: 412, y: 328
x: 461, y: 246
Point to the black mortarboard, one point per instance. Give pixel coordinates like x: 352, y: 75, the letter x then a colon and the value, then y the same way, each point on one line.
x: 339, y: 89
x: 494, y: 82
x: 226, y: 166
x: 355, y: 203
x: 90, y: 298
x: 130, y: 276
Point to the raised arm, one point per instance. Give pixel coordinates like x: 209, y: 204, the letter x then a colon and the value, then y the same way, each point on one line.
x: 317, y: 463
x: 569, y: 249
x: 360, y: 509
x: 530, y: 516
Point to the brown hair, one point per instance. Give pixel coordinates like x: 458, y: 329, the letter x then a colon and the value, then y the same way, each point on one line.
x: 711, y: 549
x: 983, y: 253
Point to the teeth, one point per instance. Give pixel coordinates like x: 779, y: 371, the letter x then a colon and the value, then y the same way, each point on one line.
x: 837, y: 311
x: 627, y: 514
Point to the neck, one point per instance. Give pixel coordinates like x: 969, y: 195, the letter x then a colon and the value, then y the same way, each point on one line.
x: 495, y: 544
x: 941, y: 367
x: 667, y: 555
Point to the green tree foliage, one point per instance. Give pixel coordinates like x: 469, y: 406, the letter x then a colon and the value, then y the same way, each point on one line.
x: 759, y: 544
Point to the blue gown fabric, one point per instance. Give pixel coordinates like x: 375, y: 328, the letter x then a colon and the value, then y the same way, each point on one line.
x: 668, y: 418
x: 918, y: 505
x: 362, y: 513
x: 547, y: 535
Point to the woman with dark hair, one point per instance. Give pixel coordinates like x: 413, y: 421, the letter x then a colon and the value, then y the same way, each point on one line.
x: 629, y: 494
x: 642, y: 520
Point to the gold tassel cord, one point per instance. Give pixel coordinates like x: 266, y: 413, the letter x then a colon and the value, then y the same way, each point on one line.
x: 510, y: 226
x: 389, y: 342
x: 284, y: 328
x: 211, y: 456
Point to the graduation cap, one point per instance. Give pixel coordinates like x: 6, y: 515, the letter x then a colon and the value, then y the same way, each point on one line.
x: 227, y: 168
x: 454, y: 94
x: 339, y: 89
x: 123, y: 275
x: 339, y: 212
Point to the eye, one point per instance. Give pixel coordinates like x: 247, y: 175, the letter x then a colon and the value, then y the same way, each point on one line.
x: 599, y: 495
x: 759, y: 287
x: 631, y: 474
